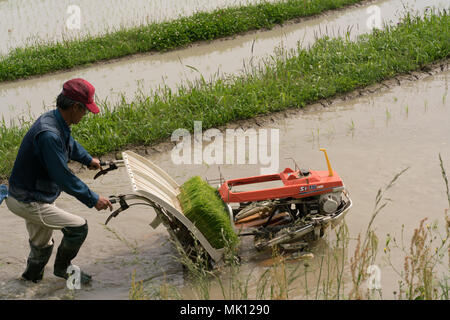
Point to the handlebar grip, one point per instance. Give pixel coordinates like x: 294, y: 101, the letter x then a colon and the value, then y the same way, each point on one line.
x: 112, y: 200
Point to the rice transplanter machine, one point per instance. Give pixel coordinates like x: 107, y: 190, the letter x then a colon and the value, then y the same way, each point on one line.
x: 299, y: 209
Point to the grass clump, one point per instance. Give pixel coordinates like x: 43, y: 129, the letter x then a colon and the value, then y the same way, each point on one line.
x: 330, y: 67
x: 44, y: 58
x: 10, y: 139
x: 201, y: 204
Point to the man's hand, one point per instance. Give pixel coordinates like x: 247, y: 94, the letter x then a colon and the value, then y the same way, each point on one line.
x: 95, y: 164
x: 103, y: 203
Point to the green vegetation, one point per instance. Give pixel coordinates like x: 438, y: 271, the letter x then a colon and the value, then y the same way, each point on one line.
x: 202, y: 205
x: 43, y: 58
x: 10, y: 139
x: 329, y: 68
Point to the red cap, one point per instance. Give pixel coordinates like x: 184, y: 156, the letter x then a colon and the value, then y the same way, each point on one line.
x: 82, y: 91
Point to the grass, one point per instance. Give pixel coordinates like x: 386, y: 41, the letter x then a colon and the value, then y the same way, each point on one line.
x: 202, y: 205
x: 10, y: 139
x: 335, y: 276
x: 427, y: 248
x: 289, y: 80
x: 43, y: 58
x: 366, y: 251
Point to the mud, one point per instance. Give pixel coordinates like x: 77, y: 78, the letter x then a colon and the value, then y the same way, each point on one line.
x: 145, y: 73
x: 370, y: 135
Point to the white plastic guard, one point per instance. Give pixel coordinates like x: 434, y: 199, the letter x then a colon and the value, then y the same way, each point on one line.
x: 153, y: 183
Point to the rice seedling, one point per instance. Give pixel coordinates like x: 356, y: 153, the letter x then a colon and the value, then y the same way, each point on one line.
x: 388, y: 114
x: 351, y: 127
x: 203, y: 206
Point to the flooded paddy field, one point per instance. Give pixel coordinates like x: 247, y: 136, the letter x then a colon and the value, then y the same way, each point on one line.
x: 369, y: 140
x: 145, y: 73
x: 27, y: 22
x: 369, y: 137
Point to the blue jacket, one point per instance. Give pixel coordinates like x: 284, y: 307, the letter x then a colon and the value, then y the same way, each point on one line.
x: 40, y: 171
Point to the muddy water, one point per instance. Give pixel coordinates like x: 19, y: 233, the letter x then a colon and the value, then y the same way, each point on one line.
x: 26, y: 22
x: 218, y: 58
x: 369, y: 140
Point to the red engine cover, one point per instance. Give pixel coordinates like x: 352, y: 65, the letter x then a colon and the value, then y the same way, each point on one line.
x: 294, y: 186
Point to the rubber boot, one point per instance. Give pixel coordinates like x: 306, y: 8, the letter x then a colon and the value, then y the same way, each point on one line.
x: 36, y: 262
x: 68, y: 249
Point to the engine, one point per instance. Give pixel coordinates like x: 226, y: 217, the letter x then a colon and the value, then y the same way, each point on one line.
x: 288, y: 209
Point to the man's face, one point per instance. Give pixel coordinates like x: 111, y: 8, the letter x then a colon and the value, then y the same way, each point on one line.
x: 78, y: 112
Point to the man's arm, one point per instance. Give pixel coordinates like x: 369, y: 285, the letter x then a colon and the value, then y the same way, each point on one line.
x: 79, y: 153
x: 52, y: 155
x: 82, y: 156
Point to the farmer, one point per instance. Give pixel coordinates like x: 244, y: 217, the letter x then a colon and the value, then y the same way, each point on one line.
x: 39, y: 175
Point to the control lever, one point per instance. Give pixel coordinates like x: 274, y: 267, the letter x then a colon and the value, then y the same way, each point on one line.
x: 112, y: 166
x: 123, y: 206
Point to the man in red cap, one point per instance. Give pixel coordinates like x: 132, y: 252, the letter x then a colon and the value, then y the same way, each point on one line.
x: 41, y: 172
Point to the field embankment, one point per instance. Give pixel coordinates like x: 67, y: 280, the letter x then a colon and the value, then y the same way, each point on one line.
x: 203, y: 26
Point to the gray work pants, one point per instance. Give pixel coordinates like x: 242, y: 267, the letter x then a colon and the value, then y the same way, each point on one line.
x: 42, y: 218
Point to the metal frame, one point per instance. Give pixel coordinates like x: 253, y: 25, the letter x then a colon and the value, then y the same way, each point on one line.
x: 295, y: 234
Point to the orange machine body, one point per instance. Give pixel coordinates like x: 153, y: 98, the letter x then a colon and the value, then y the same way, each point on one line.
x: 295, y: 185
